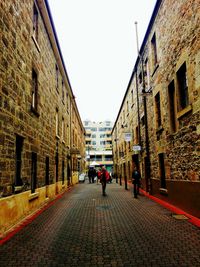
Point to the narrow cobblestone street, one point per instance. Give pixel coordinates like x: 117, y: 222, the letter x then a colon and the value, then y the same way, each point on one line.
x: 83, y: 228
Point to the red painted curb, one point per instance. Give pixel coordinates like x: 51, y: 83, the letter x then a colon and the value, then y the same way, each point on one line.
x: 192, y: 219
x: 30, y: 219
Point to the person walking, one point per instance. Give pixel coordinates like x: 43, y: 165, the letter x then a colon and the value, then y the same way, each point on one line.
x: 98, y: 175
x: 104, y: 178
x: 136, y: 181
x: 90, y: 173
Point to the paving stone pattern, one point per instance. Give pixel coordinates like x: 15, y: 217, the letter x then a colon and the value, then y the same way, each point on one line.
x: 83, y: 228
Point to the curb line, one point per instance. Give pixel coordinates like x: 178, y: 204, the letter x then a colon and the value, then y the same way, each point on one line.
x: 30, y: 218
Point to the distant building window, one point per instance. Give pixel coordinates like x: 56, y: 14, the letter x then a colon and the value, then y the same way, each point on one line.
x: 183, y: 97
x: 154, y: 51
x: 102, y: 143
x: 86, y: 123
x: 18, y: 155
x: 34, y: 172
x: 34, y: 103
x: 158, y: 110
x: 93, y: 135
x: 35, y: 22
x: 94, y: 143
x: 93, y: 129
x: 107, y: 123
x: 172, y: 112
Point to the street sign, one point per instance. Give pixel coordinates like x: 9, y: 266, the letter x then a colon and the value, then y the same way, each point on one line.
x: 136, y: 148
x: 127, y: 137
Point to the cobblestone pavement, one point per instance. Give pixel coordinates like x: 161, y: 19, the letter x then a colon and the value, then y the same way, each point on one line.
x: 83, y: 228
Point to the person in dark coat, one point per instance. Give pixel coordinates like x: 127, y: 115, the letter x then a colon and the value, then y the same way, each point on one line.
x: 90, y: 173
x: 136, y: 181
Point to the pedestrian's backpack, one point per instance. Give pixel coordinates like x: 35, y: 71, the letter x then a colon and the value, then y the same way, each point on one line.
x: 107, y: 176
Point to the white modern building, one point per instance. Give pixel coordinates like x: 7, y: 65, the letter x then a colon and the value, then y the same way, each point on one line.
x: 99, y: 143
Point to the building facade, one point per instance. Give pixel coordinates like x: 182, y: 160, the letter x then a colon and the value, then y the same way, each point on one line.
x: 161, y: 108
x: 42, y: 142
x: 99, y: 143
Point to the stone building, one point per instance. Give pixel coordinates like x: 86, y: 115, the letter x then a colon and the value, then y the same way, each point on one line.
x: 161, y: 108
x: 42, y: 145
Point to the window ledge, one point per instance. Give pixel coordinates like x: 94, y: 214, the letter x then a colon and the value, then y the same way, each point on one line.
x: 33, y: 196
x: 18, y: 188
x: 36, y: 43
x: 34, y: 110
x: 184, y: 111
x: 159, y: 129
x: 57, y: 136
x: 163, y: 191
x: 155, y: 69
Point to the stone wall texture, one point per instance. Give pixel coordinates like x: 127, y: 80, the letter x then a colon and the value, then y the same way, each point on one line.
x: 20, y: 53
x: 176, y: 25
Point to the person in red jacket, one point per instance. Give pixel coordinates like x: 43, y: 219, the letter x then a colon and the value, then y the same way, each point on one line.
x: 104, y: 179
x: 98, y: 175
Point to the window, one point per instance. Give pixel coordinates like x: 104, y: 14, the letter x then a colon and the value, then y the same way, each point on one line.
x: 93, y: 129
x: 63, y: 171
x: 142, y: 120
x: 34, y: 103
x: 102, y: 143
x: 63, y: 130
x: 140, y: 77
x: 35, y: 22
x: 183, y: 100
x: 154, y: 51
x: 63, y: 92
x: 171, y: 94
x: 47, y: 171
x: 93, y: 135
x: 57, y: 123
x: 162, y: 170
x: 158, y: 110
x: 132, y: 99
x: 33, y: 172
x: 147, y: 75
x: 18, y: 155
x: 93, y: 143
x: 56, y: 162
x: 137, y: 135
x: 57, y: 78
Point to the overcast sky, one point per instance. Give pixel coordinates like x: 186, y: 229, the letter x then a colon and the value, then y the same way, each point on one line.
x: 98, y: 43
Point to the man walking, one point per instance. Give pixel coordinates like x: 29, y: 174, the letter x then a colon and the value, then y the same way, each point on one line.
x: 136, y: 181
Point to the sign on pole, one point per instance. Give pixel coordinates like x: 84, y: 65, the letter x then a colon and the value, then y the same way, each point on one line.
x: 136, y: 148
x: 127, y: 137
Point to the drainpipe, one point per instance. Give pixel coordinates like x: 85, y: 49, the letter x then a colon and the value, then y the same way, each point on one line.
x: 147, y: 148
